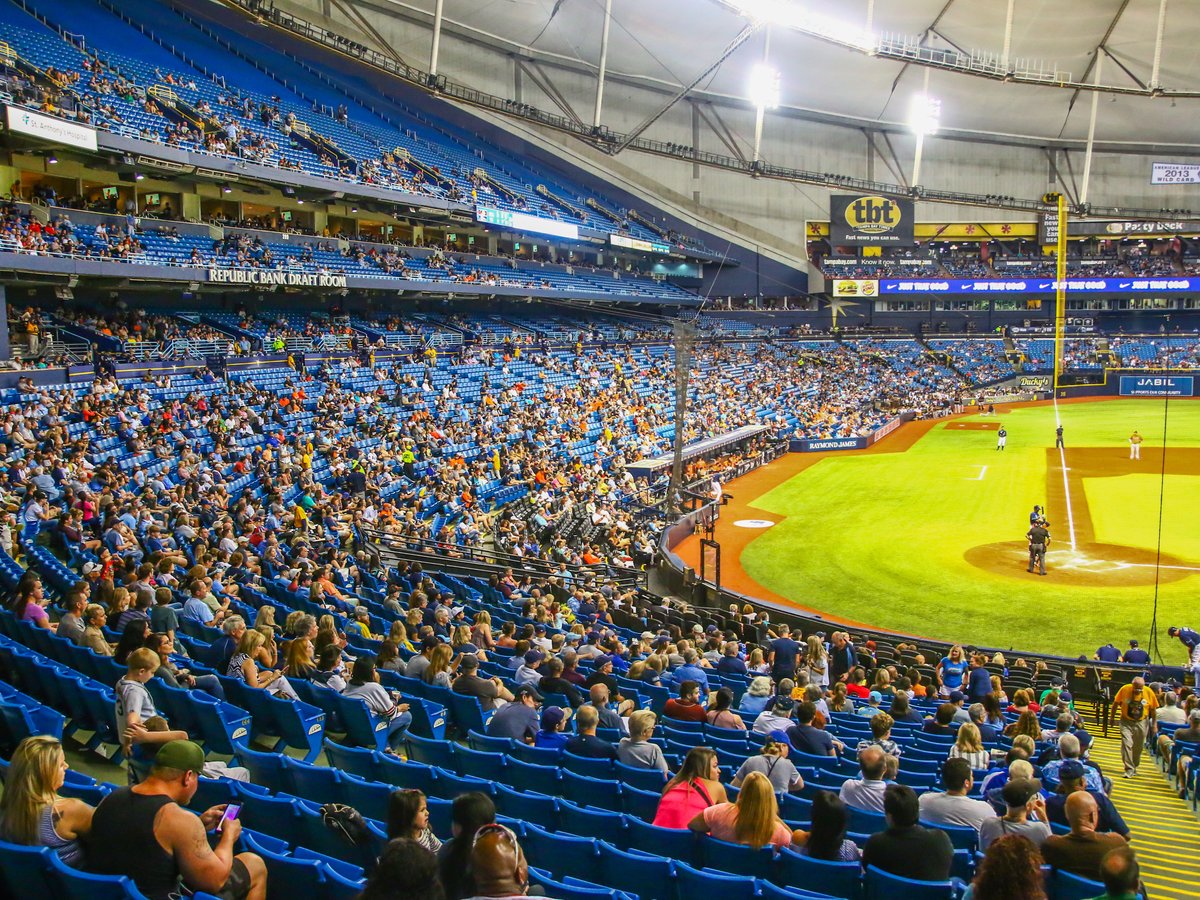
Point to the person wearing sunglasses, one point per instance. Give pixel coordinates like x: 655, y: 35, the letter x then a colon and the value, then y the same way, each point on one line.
x: 498, y: 864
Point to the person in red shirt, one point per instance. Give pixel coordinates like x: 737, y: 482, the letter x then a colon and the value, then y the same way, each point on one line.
x: 687, y: 707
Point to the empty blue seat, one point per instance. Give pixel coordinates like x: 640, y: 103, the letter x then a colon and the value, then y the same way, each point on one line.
x: 360, y: 761
x: 321, y: 784
x: 737, y: 859
x: 482, y: 764
x: 286, y: 875
x: 278, y: 817
x: 478, y: 741
x: 640, y: 804
x: 533, y: 777
x: 25, y: 872
x: 769, y: 891
x: 79, y: 885
x: 542, y: 756
x: 839, y: 879
x: 586, y: 791
x: 677, y: 844
x: 707, y: 883
x: 432, y: 752
x: 595, y: 823
x: 1065, y: 886
x: 559, y: 854
x: 266, y: 769
x: 650, y: 876
x: 528, y: 806
x: 643, y: 779
x: 587, y: 765
x: 880, y: 885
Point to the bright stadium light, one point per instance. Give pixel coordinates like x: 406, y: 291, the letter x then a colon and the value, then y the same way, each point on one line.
x: 924, y: 114
x: 763, y: 86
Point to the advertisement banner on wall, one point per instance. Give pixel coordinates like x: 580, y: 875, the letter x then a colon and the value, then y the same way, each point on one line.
x: 1157, y: 385
x: 50, y: 128
x: 1037, y: 286
x: 871, y: 220
x: 855, y: 287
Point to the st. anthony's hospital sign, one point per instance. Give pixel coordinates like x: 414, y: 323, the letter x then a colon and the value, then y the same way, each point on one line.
x: 275, y: 276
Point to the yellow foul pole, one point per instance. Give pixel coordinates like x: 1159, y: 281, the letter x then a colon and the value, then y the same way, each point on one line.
x: 1060, y: 285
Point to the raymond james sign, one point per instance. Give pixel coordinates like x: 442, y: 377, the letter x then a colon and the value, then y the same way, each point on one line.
x: 271, y: 276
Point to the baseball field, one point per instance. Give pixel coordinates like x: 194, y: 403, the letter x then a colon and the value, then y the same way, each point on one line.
x: 925, y: 533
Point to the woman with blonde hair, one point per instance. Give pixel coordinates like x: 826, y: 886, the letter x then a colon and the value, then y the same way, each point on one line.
x: 883, y: 683
x: 266, y: 617
x: 460, y: 641
x: 998, y: 690
x: 481, y: 631
x: 398, y: 635
x: 94, y: 618
x: 244, y: 668
x: 31, y: 811
x: 839, y: 699
x: 816, y: 660
x: 756, y: 664
x: 753, y: 820
x: 968, y: 745
x: 438, y: 671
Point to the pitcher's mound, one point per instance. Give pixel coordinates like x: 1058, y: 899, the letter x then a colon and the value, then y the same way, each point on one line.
x: 1091, y: 565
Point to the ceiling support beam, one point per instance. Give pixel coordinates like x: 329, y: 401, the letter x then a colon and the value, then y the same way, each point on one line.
x: 546, y: 84
x: 603, y: 64
x: 1008, y: 23
x: 1158, y: 44
x: 718, y: 127
x: 1091, y: 138
x: 437, y: 38
x: 744, y: 35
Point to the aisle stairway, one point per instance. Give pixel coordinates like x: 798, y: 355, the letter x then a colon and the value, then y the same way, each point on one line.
x: 1166, y: 833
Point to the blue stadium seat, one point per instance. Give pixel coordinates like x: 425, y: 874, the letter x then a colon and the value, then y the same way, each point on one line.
x: 839, y: 879
x: 528, y: 806
x: 417, y: 776
x: 595, y: 823
x: 25, y: 872
x: 677, y: 844
x: 287, y: 877
x: 643, y: 779
x: 640, y: 804
x: 1065, y: 886
x: 535, y: 778
x: 478, y: 741
x: 587, y: 765
x: 278, y: 817
x: 360, y: 761
x: 737, y: 859
x: 707, y: 883
x: 598, y: 792
x: 649, y: 876
x: 432, y: 752
x: 542, y: 756
x: 559, y: 854
x: 768, y: 891
x: 79, y: 885
x: 880, y: 885
x: 267, y: 769
x: 482, y: 764
x: 321, y: 784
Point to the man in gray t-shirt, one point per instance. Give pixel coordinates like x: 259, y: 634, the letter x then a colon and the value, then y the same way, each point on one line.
x: 779, y: 770
x: 1022, y: 796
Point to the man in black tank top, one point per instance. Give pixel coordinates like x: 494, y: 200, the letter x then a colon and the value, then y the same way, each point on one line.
x: 145, y: 833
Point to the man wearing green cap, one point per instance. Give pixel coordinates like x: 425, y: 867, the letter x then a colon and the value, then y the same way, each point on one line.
x: 145, y: 833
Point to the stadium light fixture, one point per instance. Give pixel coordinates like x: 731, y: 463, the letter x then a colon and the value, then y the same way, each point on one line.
x: 924, y: 115
x: 763, y: 86
x: 52, y: 159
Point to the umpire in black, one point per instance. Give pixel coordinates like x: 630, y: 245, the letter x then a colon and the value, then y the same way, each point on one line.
x: 1039, y: 539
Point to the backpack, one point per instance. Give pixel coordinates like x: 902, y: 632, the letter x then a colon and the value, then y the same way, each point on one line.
x: 347, y: 822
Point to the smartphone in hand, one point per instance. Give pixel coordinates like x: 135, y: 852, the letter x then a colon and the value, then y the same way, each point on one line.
x: 231, y: 812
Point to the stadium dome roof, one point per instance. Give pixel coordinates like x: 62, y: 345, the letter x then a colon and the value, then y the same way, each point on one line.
x: 828, y: 72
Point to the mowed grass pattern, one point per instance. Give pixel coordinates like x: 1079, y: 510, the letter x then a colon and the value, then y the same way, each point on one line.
x: 881, y: 538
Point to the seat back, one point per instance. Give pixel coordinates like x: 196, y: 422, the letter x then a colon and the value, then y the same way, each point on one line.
x: 694, y: 882
x: 881, y: 885
x: 839, y: 879
x: 25, y: 872
x: 1066, y: 886
x: 650, y: 876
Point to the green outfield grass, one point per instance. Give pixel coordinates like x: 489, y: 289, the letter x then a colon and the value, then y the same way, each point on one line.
x: 883, y: 538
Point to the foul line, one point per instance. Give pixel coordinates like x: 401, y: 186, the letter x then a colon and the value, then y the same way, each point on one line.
x: 979, y: 477
x: 1062, y: 456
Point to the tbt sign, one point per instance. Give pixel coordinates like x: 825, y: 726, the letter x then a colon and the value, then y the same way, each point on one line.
x: 870, y: 219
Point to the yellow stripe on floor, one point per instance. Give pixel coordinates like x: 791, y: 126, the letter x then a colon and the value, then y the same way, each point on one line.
x: 1165, y: 831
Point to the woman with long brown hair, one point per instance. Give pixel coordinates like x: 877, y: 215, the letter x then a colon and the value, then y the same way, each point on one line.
x: 1027, y: 724
x: 753, y: 820
x: 695, y: 788
x: 1011, y: 870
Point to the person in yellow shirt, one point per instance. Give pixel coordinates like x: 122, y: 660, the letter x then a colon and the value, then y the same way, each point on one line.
x: 1134, y: 706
